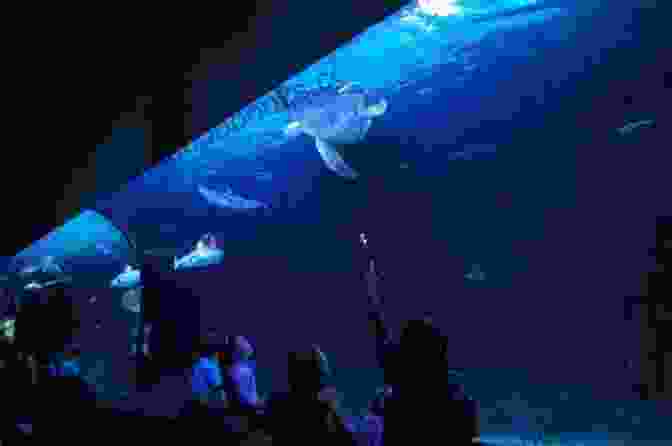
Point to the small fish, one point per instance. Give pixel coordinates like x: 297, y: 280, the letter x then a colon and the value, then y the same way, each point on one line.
x: 227, y: 199
x: 131, y: 299
x: 198, y: 258
x: 475, y: 274
x: 632, y: 126
x: 33, y: 286
x: 129, y: 278
x: 37, y: 286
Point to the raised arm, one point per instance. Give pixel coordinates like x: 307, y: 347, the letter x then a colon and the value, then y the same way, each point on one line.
x: 376, y: 316
x: 337, y: 423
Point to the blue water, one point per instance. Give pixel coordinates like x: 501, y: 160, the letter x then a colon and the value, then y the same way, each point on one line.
x: 499, y: 148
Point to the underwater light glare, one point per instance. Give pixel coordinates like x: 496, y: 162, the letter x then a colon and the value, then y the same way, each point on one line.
x: 441, y: 8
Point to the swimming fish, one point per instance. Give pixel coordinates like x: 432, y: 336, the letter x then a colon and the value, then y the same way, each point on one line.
x: 33, y: 286
x: 632, y: 126
x: 37, y: 285
x: 229, y: 200
x: 131, y: 299
x: 129, y: 278
x: 335, y: 119
x: 198, y: 258
x: 475, y: 274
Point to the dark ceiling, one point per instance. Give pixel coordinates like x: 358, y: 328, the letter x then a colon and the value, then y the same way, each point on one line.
x: 78, y: 74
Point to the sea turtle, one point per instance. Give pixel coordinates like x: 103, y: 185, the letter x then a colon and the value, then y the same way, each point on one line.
x: 335, y: 119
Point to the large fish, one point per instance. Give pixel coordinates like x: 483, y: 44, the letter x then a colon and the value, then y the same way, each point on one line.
x: 198, y: 258
x: 130, y: 278
x: 227, y: 199
x: 335, y: 119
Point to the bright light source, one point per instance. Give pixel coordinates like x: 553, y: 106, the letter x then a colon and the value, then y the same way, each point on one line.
x: 441, y: 8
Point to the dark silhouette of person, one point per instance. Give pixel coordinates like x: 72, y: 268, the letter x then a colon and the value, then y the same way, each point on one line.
x: 425, y: 404
x: 309, y: 412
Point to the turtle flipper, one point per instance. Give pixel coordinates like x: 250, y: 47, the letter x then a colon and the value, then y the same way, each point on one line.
x: 333, y: 159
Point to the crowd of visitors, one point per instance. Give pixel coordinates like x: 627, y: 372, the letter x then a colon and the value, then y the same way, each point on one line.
x: 419, y: 403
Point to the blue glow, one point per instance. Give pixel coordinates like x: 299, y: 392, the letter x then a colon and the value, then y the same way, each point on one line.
x: 443, y: 8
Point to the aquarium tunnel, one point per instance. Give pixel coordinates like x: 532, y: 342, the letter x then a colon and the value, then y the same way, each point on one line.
x: 442, y: 134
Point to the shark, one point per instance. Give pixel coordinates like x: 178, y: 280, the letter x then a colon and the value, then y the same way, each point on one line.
x: 335, y: 119
x: 199, y: 257
x: 129, y: 278
x: 227, y: 199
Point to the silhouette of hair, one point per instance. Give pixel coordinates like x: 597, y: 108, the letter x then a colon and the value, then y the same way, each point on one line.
x: 421, y: 339
x: 307, y: 369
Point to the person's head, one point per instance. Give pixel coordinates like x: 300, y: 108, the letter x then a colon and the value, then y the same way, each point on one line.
x: 207, y: 350
x: 242, y: 348
x: 421, y: 339
x: 72, y: 352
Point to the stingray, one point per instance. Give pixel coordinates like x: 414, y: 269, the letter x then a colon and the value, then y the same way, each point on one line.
x: 335, y: 119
